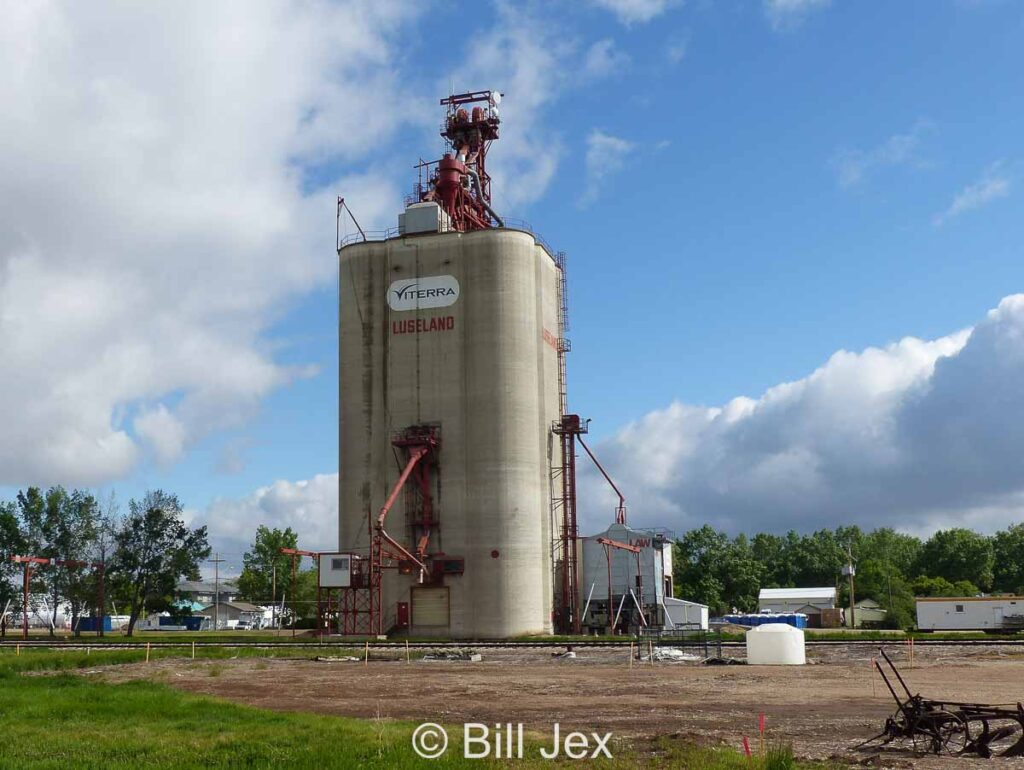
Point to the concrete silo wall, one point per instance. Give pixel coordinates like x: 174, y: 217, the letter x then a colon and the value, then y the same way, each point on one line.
x: 482, y: 365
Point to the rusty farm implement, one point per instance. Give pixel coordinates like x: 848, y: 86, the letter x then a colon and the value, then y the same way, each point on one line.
x: 949, y: 727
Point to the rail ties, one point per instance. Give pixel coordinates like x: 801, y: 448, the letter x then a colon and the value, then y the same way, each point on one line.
x: 57, y: 644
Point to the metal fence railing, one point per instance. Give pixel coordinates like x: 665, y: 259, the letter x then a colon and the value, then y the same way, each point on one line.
x: 694, y: 638
x: 394, y: 232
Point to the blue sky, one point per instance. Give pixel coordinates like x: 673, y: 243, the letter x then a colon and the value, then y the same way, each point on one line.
x: 743, y: 189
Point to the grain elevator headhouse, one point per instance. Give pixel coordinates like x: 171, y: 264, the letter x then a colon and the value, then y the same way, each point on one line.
x: 453, y: 503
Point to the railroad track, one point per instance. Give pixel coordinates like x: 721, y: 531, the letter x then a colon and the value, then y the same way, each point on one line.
x: 141, y: 644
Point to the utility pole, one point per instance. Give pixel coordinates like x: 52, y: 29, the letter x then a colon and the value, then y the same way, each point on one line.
x: 216, y: 561
x: 849, y: 570
x: 273, y: 596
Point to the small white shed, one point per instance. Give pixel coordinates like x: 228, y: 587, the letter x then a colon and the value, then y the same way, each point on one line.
x: 810, y: 601
x: 970, y: 613
x: 796, y: 599
x: 680, y: 613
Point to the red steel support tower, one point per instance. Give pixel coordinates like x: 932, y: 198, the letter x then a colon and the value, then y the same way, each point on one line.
x: 568, y: 620
x: 459, y: 181
x: 361, y: 607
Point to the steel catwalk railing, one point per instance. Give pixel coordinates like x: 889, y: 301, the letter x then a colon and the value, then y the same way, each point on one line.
x: 393, y: 232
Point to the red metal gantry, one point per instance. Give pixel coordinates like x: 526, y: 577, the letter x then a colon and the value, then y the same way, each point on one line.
x: 296, y: 554
x: 570, y: 430
x: 361, y: 607
x: 610, y: 544
x: 29, y: 564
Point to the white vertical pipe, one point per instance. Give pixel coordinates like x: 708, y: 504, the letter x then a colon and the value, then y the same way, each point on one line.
x: 587, y: 605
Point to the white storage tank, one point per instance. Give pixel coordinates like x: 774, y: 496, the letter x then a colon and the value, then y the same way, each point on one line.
x: 776, y: 644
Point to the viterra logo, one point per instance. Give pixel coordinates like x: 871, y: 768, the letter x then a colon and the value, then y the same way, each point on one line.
x: 413, y: 290
x: 425, y: 292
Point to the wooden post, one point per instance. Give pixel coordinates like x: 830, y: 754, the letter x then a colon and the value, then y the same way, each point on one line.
x: 631, y: 655
x: 366, y: 659
x: 407, y: 660
x: 193, y: 649
x: 147, y: 652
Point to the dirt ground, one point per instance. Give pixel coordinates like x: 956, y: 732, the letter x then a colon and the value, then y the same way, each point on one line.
x: 822, y: 709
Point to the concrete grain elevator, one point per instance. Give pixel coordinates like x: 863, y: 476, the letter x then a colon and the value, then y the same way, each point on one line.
x: 457, y: 502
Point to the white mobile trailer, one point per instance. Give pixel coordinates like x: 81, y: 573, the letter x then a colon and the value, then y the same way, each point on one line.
x: 970, y: 613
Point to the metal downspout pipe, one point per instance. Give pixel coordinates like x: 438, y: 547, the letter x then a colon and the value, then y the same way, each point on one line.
x: 480, y: 196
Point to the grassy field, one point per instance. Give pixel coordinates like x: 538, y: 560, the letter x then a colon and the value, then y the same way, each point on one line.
x: 116, y: 637
x: 55, y: 659
x: 65, y: 720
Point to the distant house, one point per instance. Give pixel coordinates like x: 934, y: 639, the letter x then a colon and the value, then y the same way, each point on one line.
x: 230, y: 614
x: 868, y: 611
x: 812, y: 602
x: 202, y: 591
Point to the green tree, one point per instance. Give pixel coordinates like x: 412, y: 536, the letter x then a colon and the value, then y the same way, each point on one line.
x: 897, y: 551
x: 741, y: 575
x: 932, y: 586
x: 900, y: 607
x: 772, y: 553
x: 817, y: 559
x: 305, y: 594
x: 965, y: 588
x: 1008, y: 554
x: 958, y: 554
x: 716, y: 571
x: 696, y: 561
x: 61, y: 526
x: 103, y: 548
x: 153, y: 550
x: 263, y: 561
x: 874, y: 580
x: 12, y: 543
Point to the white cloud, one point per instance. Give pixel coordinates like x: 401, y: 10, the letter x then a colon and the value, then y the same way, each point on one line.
x: 533, y: 61
x: 992, y: 185
x: 164, y: 432
x: 919, y: 434
x: 636, y: 11
x: 853, y: 166
x: 677, y: 48
x: 156, y: 220
x: 232, y: 457
x: 528, y: 59
x: 916, y: 435
x: 789, y: 14
x: 603, y: 58
x: 309, y: 507
x: 606, y: 156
